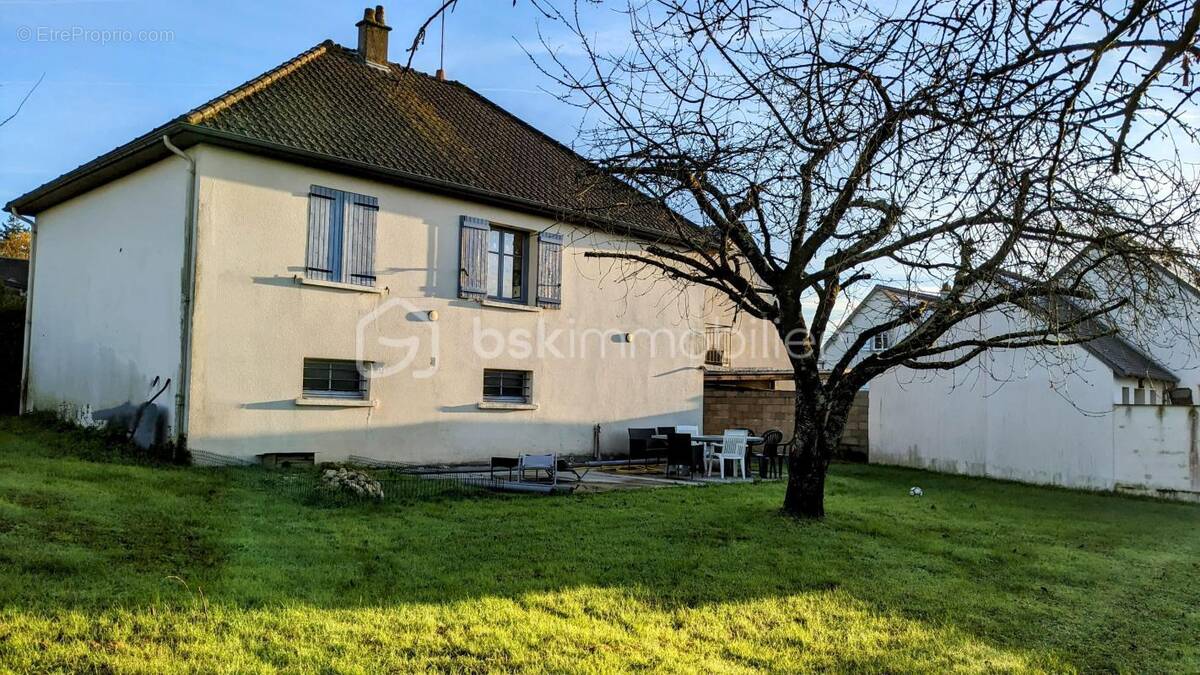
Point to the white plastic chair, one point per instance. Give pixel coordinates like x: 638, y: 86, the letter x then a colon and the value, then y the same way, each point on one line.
x: 535, y: 463
x: 733, y: 447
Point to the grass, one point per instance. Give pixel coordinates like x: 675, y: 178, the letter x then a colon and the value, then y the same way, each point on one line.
x: 111, y: 565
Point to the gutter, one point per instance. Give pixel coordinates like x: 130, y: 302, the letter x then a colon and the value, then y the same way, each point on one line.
x: 24, y: 394
x: 187, y: 289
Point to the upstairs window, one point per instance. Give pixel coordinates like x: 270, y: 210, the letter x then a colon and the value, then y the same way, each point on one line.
x: 881, y: 341
x: 499, y: 263
x: 506, y: 264
x: 508, y: 386
x: 341, y: 236
x: 333, y: 378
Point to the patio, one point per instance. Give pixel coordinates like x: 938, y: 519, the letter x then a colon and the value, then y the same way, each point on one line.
x: 657, y: 457
x: 590, y: 478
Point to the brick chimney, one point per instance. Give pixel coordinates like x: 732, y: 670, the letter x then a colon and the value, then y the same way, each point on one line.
x: 373, y: 36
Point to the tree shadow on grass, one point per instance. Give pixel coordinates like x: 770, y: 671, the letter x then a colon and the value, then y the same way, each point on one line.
x: 1005, y: 567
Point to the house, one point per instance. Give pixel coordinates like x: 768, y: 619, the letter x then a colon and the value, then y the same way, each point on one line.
x: 1112, y: 413
x: 346, y: 257
x: 882, y: 303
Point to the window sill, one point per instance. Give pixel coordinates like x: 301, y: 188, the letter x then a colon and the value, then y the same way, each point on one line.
x: 337, y: 402
x: 501, y: 405
x: 516, y: 307
x: 305, y: 281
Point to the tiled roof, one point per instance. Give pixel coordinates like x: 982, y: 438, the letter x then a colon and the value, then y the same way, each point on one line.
x: 329, y: 103
x: 1124, y: 358
x: 904, y: 295
x: 1116, y: 352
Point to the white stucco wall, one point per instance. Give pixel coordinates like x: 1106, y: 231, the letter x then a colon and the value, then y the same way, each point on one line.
x: 106, y: 301
x: 753, y: 342
x: 1158, y: 449
x: 1030, y: 415
x: 254, y: 326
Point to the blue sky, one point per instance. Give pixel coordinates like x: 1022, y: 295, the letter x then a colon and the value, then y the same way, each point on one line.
x: 160, y: 59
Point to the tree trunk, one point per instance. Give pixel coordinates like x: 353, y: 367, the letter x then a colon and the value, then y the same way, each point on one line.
x: 805, y: 496
x: 819, y: 426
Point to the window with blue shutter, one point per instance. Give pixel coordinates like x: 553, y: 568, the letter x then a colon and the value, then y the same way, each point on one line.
x: 549, y: 287
x: 341, y: 236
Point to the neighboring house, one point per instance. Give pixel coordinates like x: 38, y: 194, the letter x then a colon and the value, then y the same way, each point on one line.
x: 882, y: 303
x: 341, y: 207
x: 1113, y: 413
x: 14, y: 274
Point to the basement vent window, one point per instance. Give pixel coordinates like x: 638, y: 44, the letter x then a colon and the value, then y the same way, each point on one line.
x: 507, y: 386
x: 287, y: 460
x: 333, y: 378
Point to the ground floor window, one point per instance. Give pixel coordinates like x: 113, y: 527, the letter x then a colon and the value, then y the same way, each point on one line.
x: 507, y: 386
x: 334, y: 378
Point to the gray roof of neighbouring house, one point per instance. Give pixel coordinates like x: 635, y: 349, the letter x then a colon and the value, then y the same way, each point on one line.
x: 14, y: 273
x: 1125, y: 359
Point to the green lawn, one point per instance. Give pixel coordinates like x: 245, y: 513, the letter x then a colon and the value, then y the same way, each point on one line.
x: 109, y: 565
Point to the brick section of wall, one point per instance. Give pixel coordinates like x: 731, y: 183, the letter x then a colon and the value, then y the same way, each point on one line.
x: 763, y: 410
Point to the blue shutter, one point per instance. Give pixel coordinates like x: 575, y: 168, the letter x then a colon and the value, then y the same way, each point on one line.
x: 472, y: 258
x: 549, y: 286
x: 324, y: 218
x: 341, y: 236
x: 358, y: 246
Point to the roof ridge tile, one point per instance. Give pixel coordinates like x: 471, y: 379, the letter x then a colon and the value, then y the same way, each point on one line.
x: 212, y: 107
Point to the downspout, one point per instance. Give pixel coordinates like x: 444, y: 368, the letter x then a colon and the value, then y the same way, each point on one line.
x: 24, y: 393
x: 187, y: 289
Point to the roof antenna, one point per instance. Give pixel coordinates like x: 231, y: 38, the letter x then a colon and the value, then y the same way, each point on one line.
x: 441, y: 71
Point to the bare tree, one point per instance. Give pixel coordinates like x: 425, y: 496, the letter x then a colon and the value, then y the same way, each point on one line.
x: 974, y: 145
x: 21, y: 103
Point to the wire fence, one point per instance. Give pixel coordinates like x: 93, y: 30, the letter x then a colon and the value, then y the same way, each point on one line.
x: 307, y: 486
x: 403, y: 482
x: 398, y: 481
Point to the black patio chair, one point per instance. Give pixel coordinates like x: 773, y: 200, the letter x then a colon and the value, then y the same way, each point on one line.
x: 680, y: 452
x: 509, y: 463
x: 770, y: 462
x: 641, y: 444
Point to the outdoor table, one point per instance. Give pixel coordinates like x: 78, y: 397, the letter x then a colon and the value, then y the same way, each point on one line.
x: 716, y: 439
x: 702, y: 439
